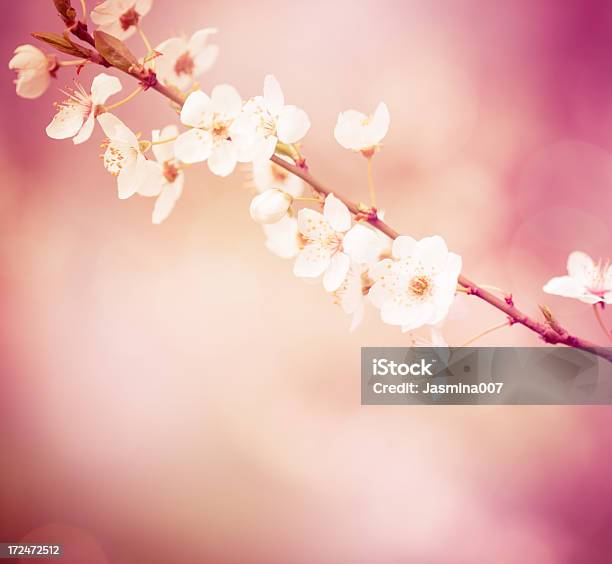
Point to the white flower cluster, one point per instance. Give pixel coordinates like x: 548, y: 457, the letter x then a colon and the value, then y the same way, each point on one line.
x: 412, y: 283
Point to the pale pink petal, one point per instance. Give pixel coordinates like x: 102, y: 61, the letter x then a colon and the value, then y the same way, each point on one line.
x: 311, y: 261
x: 379, y: 293
x: 337, y: 214
x: 103, y: 87
x: 193, y: 146
x: 199, y: 39
x: 205, y: 59
x: 164, y: 151
x: 195, y: 109
x: 292, y: 125
x: 32, y: 84
x: 152, y: 185
x: 167, y: 200
x: 282, y: 237
x: 143, y: 6
x: 410, y: 316
x: 222, y: 159
x: 336, y: 272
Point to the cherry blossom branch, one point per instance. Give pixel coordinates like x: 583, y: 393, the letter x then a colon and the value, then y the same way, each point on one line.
x: 550, y: 331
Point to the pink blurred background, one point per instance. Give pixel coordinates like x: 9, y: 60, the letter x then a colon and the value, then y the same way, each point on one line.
x: 173, y: 394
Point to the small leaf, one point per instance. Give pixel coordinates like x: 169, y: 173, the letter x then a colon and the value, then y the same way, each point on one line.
x: 66, y: 11
x: 114, y: 51
x: 62, y: 44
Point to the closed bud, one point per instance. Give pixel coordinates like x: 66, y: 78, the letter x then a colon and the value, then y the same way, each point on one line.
x: 270, y: 206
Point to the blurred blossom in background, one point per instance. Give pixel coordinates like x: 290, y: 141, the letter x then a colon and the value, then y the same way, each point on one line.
x: 173, y: 394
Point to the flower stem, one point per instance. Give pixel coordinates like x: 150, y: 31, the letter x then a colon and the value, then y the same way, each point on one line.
x: 316, y: 200
x: 144, y: 38
x: 371, y: 187
x: 597, y: 313
x: 71, y: 63
x: 84, y: 10
x: 125, y: 100
x: 486, y: 332
x: 162, y: 141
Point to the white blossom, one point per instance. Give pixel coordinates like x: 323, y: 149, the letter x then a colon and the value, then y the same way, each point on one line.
x: 210, y: 120
x: 270, y: 206
x: 331, y: 243
x: 182, y: 60
x: 119, y: 18
x: 265, y: 120
x: 165, y: 177
x: 123, y: 157
x: 359, y: 132
x: 586, y: 281
x: 417, y: 286
x: 34, y: 70
x: 267, y: 174
x: 75, y: 117
x: 283, y: 237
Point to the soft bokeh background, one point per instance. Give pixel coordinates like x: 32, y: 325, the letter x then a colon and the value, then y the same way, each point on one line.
x: 174, y: 394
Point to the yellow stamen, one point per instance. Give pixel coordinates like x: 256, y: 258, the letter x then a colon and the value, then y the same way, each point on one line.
x: 125, y: 100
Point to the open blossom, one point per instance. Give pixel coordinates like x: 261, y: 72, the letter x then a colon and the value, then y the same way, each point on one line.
x: 331, y: 243
x: 270, y: 206
x: 267, y: 174
x: 165, y: 178
x: 210, y: 120
x: 587, y: 281
x: 119, y: 18
x: 34, y: 71
x: 75, y: 117
x: 266, y: 119
x: 123, y: 157
x: 182, y: 60
x: 417, y: 286
x: 283, y: 237
x: 359, y: 132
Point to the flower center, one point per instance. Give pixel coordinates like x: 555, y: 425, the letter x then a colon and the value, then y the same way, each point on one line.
x: 128, y: 19
x: 184, y: 65
x: 419, y: 286
x: 219, y: 129
x: 170, y: 171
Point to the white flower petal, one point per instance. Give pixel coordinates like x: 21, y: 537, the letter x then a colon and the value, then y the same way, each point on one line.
x: 205, y: 60
x: 313, y: 225
x: 282, y: 237
x: 336, y: 272
x: 226, y: 100
x: 103, y: 87
x: 292, y: 124
x: 86, y: 130
x: 164, y: 151
x: 362, y: 244
x: 274, y: 99
x: 152, y: 185
x: 193, y: 146
x: 380, y: 123
x: 116, y: 130
x: 581, y: 267
x: 199, y: 39
x: 132, y: 177
x: 66, y: 123
x: 410, y: 316
x: 195, y: 109
x: 404, y: 247
x: 312, y: 261
x: 565, y: 286
x: 337, y: 214
x: 432, y: 253
x: 222, y: 159
x: 167, y: 200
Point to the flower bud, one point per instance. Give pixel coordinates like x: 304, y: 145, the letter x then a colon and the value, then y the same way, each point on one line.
x: 270, y: 206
